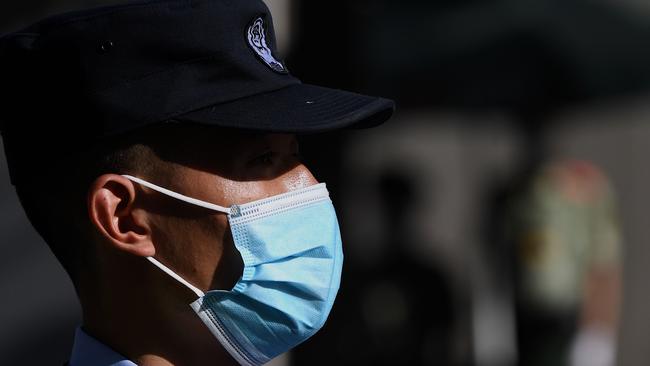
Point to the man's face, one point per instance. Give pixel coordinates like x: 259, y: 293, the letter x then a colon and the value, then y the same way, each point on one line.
x: 223, y: 167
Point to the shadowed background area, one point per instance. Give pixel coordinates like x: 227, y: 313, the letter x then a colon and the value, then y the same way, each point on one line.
x: 498, y: 219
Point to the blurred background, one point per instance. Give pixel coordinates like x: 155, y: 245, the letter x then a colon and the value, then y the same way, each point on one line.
x: 498, y: 219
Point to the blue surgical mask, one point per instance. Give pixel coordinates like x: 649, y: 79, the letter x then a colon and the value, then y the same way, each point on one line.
x: 291, y: 248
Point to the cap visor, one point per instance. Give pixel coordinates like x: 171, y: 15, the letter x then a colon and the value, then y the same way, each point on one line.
x: 300, y: 108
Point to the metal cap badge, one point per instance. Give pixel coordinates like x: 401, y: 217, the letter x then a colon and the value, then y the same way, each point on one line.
x: 257, y: 42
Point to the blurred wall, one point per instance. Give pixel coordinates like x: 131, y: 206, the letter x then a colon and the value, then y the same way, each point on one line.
x: 39, y: 310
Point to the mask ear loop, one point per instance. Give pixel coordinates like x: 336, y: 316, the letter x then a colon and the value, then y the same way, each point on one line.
x: 178, y: 278
x: 183, y: 198
x: 178, y: 196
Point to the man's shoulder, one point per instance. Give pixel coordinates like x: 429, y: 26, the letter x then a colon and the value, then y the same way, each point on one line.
x: 89, y: 351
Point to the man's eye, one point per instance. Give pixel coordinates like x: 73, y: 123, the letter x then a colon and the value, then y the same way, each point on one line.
x: 264, y: 159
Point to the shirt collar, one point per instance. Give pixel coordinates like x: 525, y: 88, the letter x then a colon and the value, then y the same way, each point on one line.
x: 88, y: 351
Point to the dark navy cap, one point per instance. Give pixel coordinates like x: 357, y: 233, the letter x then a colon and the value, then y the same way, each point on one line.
x: 83, y: 76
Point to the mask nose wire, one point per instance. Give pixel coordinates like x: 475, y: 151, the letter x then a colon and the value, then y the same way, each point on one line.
x: 187, y: 199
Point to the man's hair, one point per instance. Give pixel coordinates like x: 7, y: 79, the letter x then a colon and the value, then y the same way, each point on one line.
x: 55, y: 202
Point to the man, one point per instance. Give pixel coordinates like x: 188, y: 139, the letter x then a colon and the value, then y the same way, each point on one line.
x: 152, y: 145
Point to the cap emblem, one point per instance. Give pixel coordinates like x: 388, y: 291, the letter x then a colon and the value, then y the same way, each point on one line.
x: 257, y: 41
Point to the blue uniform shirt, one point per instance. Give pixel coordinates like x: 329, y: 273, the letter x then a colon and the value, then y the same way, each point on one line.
x: 87, y: 351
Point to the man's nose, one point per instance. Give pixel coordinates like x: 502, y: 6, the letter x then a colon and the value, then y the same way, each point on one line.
x: 298, y: 177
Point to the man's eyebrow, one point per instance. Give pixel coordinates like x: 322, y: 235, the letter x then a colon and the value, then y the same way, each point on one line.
x: 295, y: 145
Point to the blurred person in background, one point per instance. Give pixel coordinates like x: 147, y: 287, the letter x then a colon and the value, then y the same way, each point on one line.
x: 567, y: 243
x: 152, y: 145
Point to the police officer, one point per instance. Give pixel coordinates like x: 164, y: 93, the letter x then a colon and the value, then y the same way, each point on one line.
x: 153, y: 146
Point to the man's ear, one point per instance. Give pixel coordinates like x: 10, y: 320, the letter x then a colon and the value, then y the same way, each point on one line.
x: 112, y: 212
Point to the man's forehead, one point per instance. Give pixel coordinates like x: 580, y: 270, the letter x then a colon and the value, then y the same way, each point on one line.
x: 192, y: 139
x: 214, y: 133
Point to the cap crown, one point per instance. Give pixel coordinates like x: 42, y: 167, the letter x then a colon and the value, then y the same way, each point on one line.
x: 106, y: 70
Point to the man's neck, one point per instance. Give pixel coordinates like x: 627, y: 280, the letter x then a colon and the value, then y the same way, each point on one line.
x: 151, y: 326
